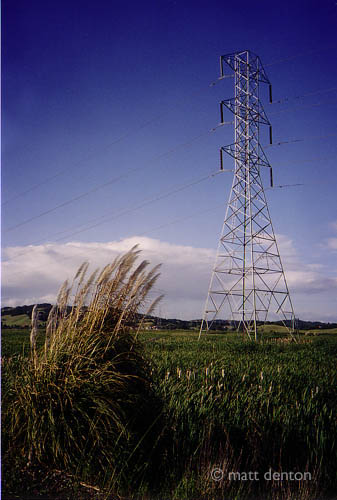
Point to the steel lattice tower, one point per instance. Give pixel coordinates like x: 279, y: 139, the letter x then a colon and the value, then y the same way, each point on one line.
x: 248, y: 283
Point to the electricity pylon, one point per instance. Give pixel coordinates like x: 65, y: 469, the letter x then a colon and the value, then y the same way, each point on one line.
x: 248, y: 283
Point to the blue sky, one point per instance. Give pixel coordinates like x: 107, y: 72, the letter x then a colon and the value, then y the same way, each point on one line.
x: 92, y: 92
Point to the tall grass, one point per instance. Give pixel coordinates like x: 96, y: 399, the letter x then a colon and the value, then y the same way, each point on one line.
x: 84, y: 402
x: 245, y: 406
x: 90, y: 403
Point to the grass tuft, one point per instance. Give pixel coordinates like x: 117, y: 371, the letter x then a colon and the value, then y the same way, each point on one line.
x: 82, y: 402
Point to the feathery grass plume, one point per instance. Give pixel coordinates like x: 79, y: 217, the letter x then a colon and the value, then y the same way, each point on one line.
x: 88, y: 400
x: 50, y: 326
x: 33, y: 332
x: 81, y: 272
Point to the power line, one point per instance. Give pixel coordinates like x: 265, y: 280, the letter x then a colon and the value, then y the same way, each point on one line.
x: 180, y: 219
x: 116, y: 179
x: 285, y: 186
x: 93, y: 153
x: 80, y: 162
x: 65, y: 203
x: 152, y: 120
x: 308, y: 94
x: 277, y: 61
x: 220, y: 78
x: 202, y: 212
x: 143, y: 204
x: 106, y: 218
x: 302, y: 106
x: 300, y: 54
x: 169, y: 223
x: 289, y: 141
x: 74, y: 228
x: 111, y: 181
x: 315, y: 159
x: 122, y: 176
x: 143, y: 125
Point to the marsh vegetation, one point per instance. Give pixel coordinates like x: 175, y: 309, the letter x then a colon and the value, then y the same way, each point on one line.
x: 94, y: 407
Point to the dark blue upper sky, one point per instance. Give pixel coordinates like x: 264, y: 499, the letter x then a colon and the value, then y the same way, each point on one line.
x: 91, y: 90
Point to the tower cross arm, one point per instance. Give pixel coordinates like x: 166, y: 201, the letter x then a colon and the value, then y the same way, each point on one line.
x: 245, y: 57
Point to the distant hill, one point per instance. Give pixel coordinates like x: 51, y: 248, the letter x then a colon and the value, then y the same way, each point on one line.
x: 27, y: 311
x: 20, y: 317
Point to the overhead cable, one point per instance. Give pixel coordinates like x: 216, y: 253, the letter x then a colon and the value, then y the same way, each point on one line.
x: 302, y: 96
x: 162, y: 226
x: 277, y: 61
x: 300, y: 54
x: 301, y: 106
x: 289, y: 141
x: 90, y: 155
x: 107, y: 217
x: 111, y: 181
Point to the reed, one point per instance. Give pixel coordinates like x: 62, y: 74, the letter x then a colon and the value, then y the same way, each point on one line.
x: 249, y: 407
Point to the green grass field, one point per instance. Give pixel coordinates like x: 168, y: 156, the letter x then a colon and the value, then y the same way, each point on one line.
x: 239, y: 406
x: 16, y: 341
x: 21, y: 320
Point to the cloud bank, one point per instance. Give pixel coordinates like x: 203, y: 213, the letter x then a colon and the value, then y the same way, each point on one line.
x: 33, y: 274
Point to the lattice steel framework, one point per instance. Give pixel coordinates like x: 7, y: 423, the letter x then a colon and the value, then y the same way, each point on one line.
x: 248, y: 283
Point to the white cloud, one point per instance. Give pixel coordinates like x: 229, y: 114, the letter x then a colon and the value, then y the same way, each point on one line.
x: 34, y: 273
x: 331, y: 244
